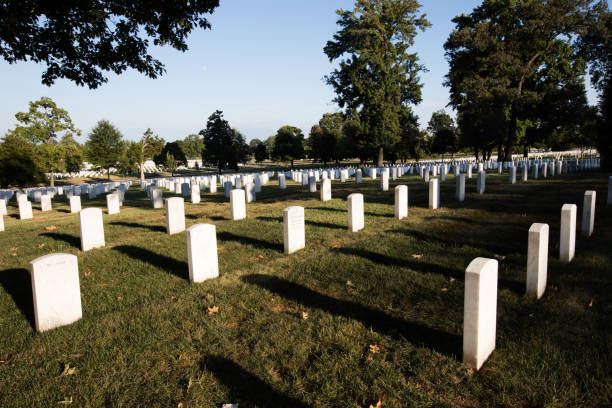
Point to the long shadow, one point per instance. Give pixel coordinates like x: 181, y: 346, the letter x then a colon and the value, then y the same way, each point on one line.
x: 17, y: 283
x: 325, y: 225
x: 155, y: 228
x: 458, y: 219
x: 258, y: 243
x: 69, y: 239
x: 63, y: 210
x: 245, y: 388
x: 177, y: 268
x: 443, y: 342
x: 463, y: 240
x: 273, y: 219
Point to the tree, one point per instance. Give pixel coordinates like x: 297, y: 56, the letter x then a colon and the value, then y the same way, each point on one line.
x: 377, y: 77
x: 507, y: 54
x: 442, y: 127
x: 175, y: 150
x: 261, y: 152
x: 41, y: 126
x: 224, y: 146
x: 18, y: 162
x: 325, y: 139
x: 288, y: 144
x: 171, y: 163
x: 81, y: 41
x: 146, y: 149
x: 105, y: 147
x: 192, y: 146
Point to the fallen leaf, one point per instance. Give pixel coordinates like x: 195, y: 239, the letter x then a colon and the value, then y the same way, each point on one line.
x: 260, y: 256
x: 444, y: 289
x: 304, y: 315
x: 87, y: 273
x: 14, y: 254
x: 66, y: 401
x: 452, y: 280
x: 335, y: 246
x: 14, y: 249
x: 68, y: 371
x: 76, y: 355
x: 213, y: 310
x: 119, y: 298
x: 5, y: 361
x: 591, y: 302
x: 50, y: 227
x: 41, y: 246
x: 374, y: 348
x: 417, y: 256
x: 378, y: 404
x: 180, y: 404
x: 350, y: 284
x: 500, y: 257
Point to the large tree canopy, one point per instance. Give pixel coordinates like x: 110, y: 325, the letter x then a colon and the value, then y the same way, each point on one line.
x: 80, y: 41
x: 377, y: 76
x: 288, y: 144
x: 105, y: 147
x: 224, y: 146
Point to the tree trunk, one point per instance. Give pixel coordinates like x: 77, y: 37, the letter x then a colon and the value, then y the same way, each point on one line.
x: 52, y: 180
x: 525, y: 151
x: 379, y: 163
x: 511, y: 135
x: 476, y: 152
x: 291, y: 164
x: 142, y: 176
x: 108, y: 173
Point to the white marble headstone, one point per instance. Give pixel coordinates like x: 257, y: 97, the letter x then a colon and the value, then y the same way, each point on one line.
x: 202, y: 252
x: 294, y: 232
x: 91, y: 228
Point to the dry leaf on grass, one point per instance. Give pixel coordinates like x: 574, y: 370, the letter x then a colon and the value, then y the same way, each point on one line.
x: 213, y: 310
x: 260, y: 256
x: 374, y: 348
x: 444, y: 289
x: 68, y: 370
x: 50, y: 227
x: 335, y: 246
x: 452, y: 280
x: 500, y: 257
x: 87, y: 273
x: 304, y: 315
x: 350, y: 284
x: 5, y: 361
x: 417, y: 256
x: 591, y: 302
x: 378, y: 404
x: 41, y: 246
x: 119, y: 298
x: 66, y: 401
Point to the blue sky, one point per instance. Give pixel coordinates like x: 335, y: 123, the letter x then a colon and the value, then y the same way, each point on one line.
x: 262, y: 64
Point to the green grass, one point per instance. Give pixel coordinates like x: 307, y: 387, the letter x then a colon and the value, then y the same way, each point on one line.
x: 147, y: 338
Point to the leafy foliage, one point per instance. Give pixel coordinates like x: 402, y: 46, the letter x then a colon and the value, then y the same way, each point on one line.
x: 18, y: 162
x: 175, y: 151
x: 288, y: 144
x: 325, y: 139
x: 225, y: 147
x: 442, y: 127
x: 81, y: 41
x: 105, y: 147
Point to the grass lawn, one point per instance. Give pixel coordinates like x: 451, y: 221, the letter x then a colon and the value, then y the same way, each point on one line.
x: 351, y: 320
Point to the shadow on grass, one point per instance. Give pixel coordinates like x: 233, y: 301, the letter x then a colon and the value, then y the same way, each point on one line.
x: 155, y: 228
x: 372, y: 214
x: 63, y: 210
x: 254, y: 242
x: 217, y: 218
x: 69, y: 239
x: 245, y: 388
x: 459, y: 219
x: 510, y: 244
x: 440, y: 341
x: 17, y: 283
x: 171, y: 265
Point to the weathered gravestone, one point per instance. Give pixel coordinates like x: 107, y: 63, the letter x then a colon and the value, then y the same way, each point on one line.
x: 460, y: 187
x: 75, y: 204
x: 479, y: 311
x: 588, y: 213
x: 202, y: 252
x: 195, y: 193
x: 45, y: 203
x: 537, y: 260
x: 294, y: 233
x: 55, y: 290
x: 175, y: 215
x: 238, y: 204
x: 326, y: 193
x: 91, y: 228
x: 401, y: 202
x: 355, y: 212
x: 112, y: 203
x: 567, y: 242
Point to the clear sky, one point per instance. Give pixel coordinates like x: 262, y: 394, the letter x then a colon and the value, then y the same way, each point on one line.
x: 262, y: 64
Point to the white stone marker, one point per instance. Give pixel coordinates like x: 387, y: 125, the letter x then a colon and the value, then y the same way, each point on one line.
x: 512, y: 175
x: 479, y: 311
x: 92, y: 228
x: 185, y: 189
x: 312, y: 184
x: 355, y: 212
x: 3, y: 203
x: 238, y: 204
x: 1, y: 222
x: 55, y: 290
x: 434, y: 199
x: 25, y: 209
x: 469, y: 171
x: 45, y: 203
x: 156, y: 198
x: 384, y: 180
x: 326, y: 193
x: 460, y: 187
x: 537, y: 259
x: 195, y: 193
x: 482, y: 179
x: 227, y: 188
x: 75, y: 204
x: 294, y: 232
x: 401, y: 202
x: 281, y: 182
x: 202, y: 252
x: 534, y: 172
x: 175, y: 215
x: 112, y: 203
x: 212, y: 187
x: 525, y: 173
x: 359, y: 179
x: 588, y: 213
x: 249, y: 192
x: 567, y: 243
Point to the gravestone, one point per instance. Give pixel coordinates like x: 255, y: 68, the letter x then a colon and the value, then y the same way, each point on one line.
x: 534, y: 171
x: 294, y: 232
x: 91, y: 228
x: 479, y: 311
x: 312, y: 184
x: 460, y: 187
x: 55, y: 291
x: 157, y: 198
x: 512, y: 175
x: 524, y: 173
x: 195, y: 193
x: 434, y: 198
x: 227, y: 188
x: 3, y: 202
x: 281, y: 182
x: 249, y: 192
x: 25, y: 209
x: 567, y: 242
x: 384, y: 180
x: 326, y: 193
x: 175, y: 215
x: 537, y: 260
x: 469, y: 171
x: 588, y: 213
x: 185, y: 189
x: 75, y: 204
x: 112, y: 203
x: 202, y: 252
x: 212, y: 187
x: 401, y: 202
x: 1, y: 222
x: 45, y: 203
x: 238, y: 204
x: 178, y: 187
x: 355, y: 212
x: 544, y: 170
x: 359, y: 179
x: 482, y: 179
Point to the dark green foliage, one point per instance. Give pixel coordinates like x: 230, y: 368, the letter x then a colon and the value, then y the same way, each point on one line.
x: 18, y: 163
x: 325, y: 139
x: 81, y: 41
x: 260, y: 152
x: 105, y: 147
x: 377, y: 76
x: 224, y: 146
x: 175, y: 150
x: 442, y: 127
x: 192, y: 146
x: 288, y: 144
